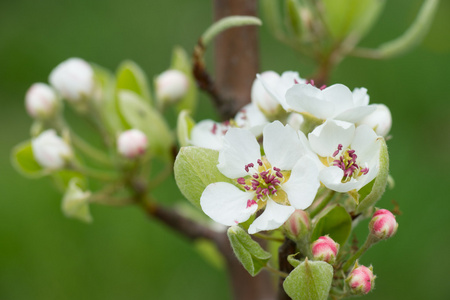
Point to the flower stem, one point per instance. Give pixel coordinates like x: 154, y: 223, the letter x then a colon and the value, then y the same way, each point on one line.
x: 89, y: 150
x: 322, y: 204
x: 275, y: 271
x: 367, y: 244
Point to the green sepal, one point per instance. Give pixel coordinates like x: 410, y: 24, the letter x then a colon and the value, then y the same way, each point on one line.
x: 375, y: 189
x: 311, y: 280
x: 184, y: 126
x: 195, y: 168
x: 131, y: 77
x: 293, y: 261
x: 75, y: 202
x: 23, y: 161
x: 335, y: 222
x: 251, y: 255
x: 181, y: 62
x: 140, y: 115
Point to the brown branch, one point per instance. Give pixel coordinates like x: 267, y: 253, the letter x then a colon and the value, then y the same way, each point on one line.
x: 286, y: 249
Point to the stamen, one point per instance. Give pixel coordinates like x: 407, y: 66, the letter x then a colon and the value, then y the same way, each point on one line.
x: 365, y: 171
x: 250, y: 203
x: 323, y: 87
x: 279, y: 174
x: 339, y: 148
x: 256, y: 176
x: 276, y: 169
x: 260, y: 162
x: 214, y: 129
x: 247, y: 187
x: 241, y: 180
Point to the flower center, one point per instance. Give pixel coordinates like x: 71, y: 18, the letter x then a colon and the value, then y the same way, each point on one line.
x: 265, y: 181
x: 347, y: 163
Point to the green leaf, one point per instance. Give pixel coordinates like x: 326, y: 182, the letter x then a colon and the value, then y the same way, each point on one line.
x: 140, y: 115
x: 336, y: 222
x: 311, y: 280
x: 195, y: 168
x: 184, y: 126
x: 181, y: 62
x: 366, y: 199
x: 251, y: 255
x: 344, y: 17
x: 131, y: 77
x: 24, y: 162
x: 293, y: 14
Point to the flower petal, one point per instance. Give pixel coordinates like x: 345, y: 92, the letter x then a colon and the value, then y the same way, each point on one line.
x: 360, y: 97
x: 303, y: 183
x: 355, y: 114
x: 273, y: 217
x: 331, y: 177
x: 226, y: 204
x: 307, y: 98
x: 282, y: 145
x: 251, y: 118
x: 239, y: 149
x: 340, y: 96
x: 207, y: 134
x: 325, y: 138
x: 366, y: 144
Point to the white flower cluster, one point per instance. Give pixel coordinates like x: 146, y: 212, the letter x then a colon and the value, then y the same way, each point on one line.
x: 342, y: 153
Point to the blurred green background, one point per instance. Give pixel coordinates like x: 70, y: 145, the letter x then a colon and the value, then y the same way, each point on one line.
x: 123, y: 255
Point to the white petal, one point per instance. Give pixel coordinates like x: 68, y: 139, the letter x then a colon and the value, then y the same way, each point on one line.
x: 356, y: 114
x: 360, y: 97
x: 282, y: 145
x: 331, y: 177
x: 366, y: 144
x: 307, y: 98
x: 273, y: 217
x: 263, y: 89
x: 340, y: 96
x: 287, y: 80
x: 204, y: 135
x: 380, y: 120
x: 251, y: 118
x: 303, y: 183
x: 226, y: 204
x: 325, y: 138
x: 239, y: 149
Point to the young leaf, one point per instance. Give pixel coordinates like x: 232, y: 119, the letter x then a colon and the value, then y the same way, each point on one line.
x: 311, y: 280
x: 251, y: 255
x: 140, y: 115
x: 337, y: 223
x: 24, y: 162
x: 195, y: 168
x: 379, y: 184
x: 131, y: 77
x: 184, y: 126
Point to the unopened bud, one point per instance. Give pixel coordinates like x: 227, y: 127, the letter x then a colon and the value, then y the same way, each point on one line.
x: 298, y: 225
x: 41, y: 101
x: 361, y: 279
x: 380, y: 120
x: 171, y: 86
x: 132, y: 143
x: 262, y: 98
x: 51, y: 151
x: 75, y: 203
x: 325, y: 249
x: 383, y: 224
x: 73, y: 79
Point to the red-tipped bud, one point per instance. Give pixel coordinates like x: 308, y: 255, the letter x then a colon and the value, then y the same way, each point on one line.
x: 383, y: 224
x: 132, y: 143
x: 361, y: 279
x: 298, y: 225
x: 325, y: 249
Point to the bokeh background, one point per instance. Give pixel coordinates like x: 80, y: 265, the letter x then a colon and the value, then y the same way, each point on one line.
x: 123, y: 255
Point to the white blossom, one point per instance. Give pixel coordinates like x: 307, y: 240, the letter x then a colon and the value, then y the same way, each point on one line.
x: 41, y: 101
x: 51, y: 151
x: 282, y: 180
x: 380, y: 120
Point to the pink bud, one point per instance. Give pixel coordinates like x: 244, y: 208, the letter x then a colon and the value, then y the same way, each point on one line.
x: 298, y: 225
x: 325, y: 249
x: 383, y: 224
x: 41, y: 101
x: 171, y: 86
x: 132, y: 143
x: 361, y: 279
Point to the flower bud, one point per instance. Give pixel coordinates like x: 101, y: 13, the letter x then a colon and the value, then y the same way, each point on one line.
x: 383, y: 224
x: 295, y: 120
x: 325, y: 249
x: 361, y: 279
x: 41, y: 101
x: 380, y: 120
x: 171, y: 86
x: 73, y: 79
x: 75, y: 202
x: 51, y: 151
x: 262, y: 98
x: 132, y: 143
x: 298, y: 225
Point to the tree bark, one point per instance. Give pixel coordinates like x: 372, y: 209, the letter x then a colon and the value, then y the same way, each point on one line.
x: 236, y: 57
